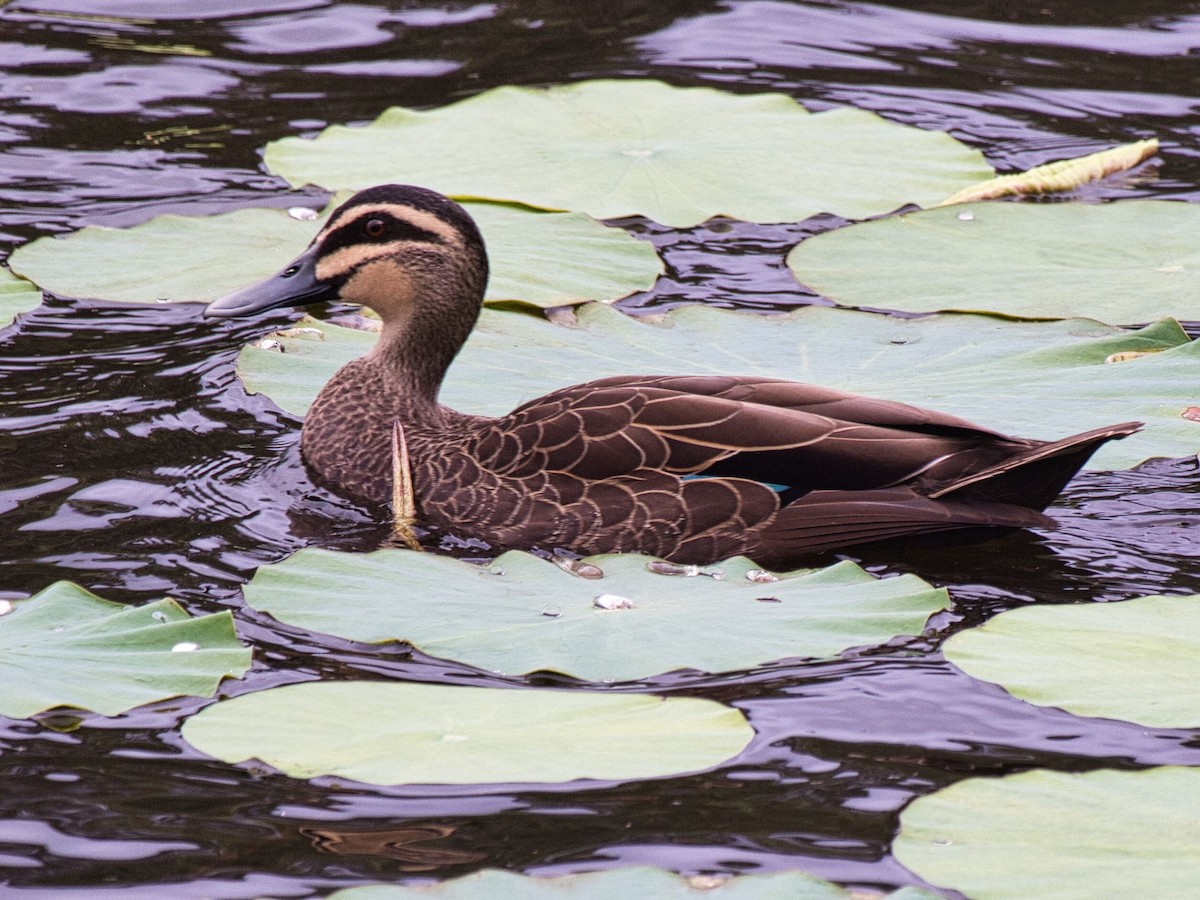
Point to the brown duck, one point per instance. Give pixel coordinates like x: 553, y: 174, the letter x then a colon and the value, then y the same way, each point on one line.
x: 611, y: 465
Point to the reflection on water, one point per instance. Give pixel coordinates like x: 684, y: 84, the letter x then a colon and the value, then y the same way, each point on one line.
x: 135, y: 464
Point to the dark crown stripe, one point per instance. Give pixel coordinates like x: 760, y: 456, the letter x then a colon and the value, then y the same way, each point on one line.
x: 350, y: 231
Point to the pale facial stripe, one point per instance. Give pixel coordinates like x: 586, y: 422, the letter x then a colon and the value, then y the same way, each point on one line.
x: 345, y: 260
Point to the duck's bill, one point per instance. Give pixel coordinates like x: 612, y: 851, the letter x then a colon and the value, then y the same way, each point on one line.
x: 296, y: 285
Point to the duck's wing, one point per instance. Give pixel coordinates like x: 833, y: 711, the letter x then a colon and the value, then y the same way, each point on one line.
x: 798, y: 437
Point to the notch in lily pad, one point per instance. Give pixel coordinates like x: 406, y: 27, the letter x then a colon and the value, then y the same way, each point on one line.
x: 66, y: 647
x: 630, y: 624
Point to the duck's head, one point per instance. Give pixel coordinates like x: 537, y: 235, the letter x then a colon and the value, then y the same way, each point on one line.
x: 404, y: 251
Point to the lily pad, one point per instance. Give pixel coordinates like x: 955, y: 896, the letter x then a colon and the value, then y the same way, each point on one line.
x: 634, y: 881
x: 537, y: 258
x: 678, y: 156
x: 16, y: 296
x: 522, y: 614
x: 382, y: 733
x: 1132, y: 261
x: 1035, y: 379
x: 66, y: 647
x: 1058, y: 835
x: 1114, y: 660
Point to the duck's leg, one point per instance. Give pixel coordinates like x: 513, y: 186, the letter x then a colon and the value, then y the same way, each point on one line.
x: 404, y: 501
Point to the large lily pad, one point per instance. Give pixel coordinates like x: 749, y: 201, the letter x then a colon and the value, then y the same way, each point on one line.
x: 67, y: 647
x: 16, y: 296
x: 1035, y: 379
x: 618, y: 148
x: 1058, y: 835
x: 1135, y: 660
x: 383, y: 733
x: 1133, y: 261
x: 538, y: 258
x: 634, y: 881
x: 523, y: 613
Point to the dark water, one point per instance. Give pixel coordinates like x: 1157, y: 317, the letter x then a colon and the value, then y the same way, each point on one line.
x: 134, y: 464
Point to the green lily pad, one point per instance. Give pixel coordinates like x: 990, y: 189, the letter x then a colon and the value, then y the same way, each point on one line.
x: 1113, y: 660
x: 383, y: 733
x: 16, y: 296
x: 522, y: 614
x: 537, y: 258
x: 1133, y: 261
x: 1058, y: 835
x: 1035, y: 379
x: 66, y: 647
x: 634, y: 881
x: 678, y: 156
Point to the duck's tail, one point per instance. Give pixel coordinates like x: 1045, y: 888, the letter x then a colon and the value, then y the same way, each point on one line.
x: 1009, y: 494
x: 1033, y: 479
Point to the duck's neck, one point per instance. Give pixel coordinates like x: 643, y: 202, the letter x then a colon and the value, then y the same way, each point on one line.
x: 416, y: 349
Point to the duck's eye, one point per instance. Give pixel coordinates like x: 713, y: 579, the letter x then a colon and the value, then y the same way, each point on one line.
x: 375, y: 228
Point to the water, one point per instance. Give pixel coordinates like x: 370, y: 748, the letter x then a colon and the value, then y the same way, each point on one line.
x: 136, y: 465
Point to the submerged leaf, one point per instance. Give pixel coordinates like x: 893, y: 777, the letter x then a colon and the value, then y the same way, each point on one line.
x: 494, y: 617
x: 1116, y: 660
x: 1128, y: 262
x: 1064, y: 175
x: 678, y: 156
x: 631, y: 881
x: 67, y: 647
x: 1058, y: 835
x: 1035, y: 379
x: 16, y: 296
x: 436, y: 734
x: 537, y: 258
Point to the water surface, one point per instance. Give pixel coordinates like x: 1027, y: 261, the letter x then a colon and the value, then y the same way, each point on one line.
x: 136, y: 465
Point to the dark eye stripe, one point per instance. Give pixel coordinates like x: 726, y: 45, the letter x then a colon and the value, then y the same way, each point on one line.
x: 397, y: 229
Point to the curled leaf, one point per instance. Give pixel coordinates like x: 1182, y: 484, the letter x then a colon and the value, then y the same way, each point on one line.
x: 1063, y: 175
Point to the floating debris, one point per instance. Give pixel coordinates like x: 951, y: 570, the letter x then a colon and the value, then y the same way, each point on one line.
x: 1126, y: 355
x: 302, y: 213
x: 185, y: 647
x: 5, y: 607
x: 611, y: 601
x: 552, y: 612
x: 761, y: 576
x: 966, y: 217
x: 767, y: 600
x: 268, y: 343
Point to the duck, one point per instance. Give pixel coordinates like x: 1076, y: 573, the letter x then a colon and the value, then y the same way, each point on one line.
x: 688, y: 468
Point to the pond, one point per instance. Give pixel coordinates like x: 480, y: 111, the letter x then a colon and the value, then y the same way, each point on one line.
x: 136, y: 464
